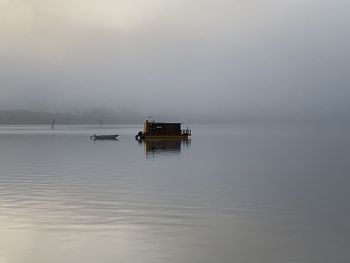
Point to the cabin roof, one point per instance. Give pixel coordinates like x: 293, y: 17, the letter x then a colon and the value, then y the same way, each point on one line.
x: 166, y: 123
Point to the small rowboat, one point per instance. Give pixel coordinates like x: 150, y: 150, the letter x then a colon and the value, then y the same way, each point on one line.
x: 104, y: 137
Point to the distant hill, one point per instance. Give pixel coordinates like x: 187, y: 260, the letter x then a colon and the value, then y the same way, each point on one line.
x: 129, y: 117
x: 87, y: 117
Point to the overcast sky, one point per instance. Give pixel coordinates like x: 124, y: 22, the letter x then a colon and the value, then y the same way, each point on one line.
x: 239, y: 57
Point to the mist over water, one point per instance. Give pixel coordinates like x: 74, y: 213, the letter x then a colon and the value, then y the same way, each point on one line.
x: 270, y: 187
x: 195, y: 58
x: 233, y: 193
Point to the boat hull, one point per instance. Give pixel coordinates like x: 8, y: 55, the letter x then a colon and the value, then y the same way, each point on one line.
x: 105, y: 137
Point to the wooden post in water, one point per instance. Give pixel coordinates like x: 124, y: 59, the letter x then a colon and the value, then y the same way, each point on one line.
x: 52, y: 124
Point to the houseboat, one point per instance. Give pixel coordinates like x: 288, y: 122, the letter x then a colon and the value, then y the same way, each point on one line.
x: 163, y: 130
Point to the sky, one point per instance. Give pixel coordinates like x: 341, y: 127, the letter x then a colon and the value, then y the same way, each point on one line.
x: 238, y: 58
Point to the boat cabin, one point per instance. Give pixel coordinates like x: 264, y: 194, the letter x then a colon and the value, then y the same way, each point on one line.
x: 154, y: 129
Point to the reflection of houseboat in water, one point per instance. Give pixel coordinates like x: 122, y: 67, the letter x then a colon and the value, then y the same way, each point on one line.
x: 164, y: 146
x: 162, y: 130
x: 173, y: 145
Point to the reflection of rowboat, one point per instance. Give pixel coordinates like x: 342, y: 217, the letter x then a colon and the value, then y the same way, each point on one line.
x: 104, y: 137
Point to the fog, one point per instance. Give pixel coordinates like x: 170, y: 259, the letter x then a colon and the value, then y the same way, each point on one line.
x: 226, y: 58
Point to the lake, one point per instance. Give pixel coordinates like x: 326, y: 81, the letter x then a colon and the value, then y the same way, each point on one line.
x: 233, y: 193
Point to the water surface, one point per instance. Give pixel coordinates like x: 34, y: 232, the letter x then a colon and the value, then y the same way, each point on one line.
x: 231, y: 194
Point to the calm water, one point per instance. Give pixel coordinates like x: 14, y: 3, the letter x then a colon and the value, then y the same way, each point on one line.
x: 231, y: 194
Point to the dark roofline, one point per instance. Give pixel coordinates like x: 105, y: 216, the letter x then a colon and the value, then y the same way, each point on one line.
x: 153, y: 122
x: 166, y: 122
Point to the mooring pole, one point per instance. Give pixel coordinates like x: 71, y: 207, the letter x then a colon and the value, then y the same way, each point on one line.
x: 52, y: 124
